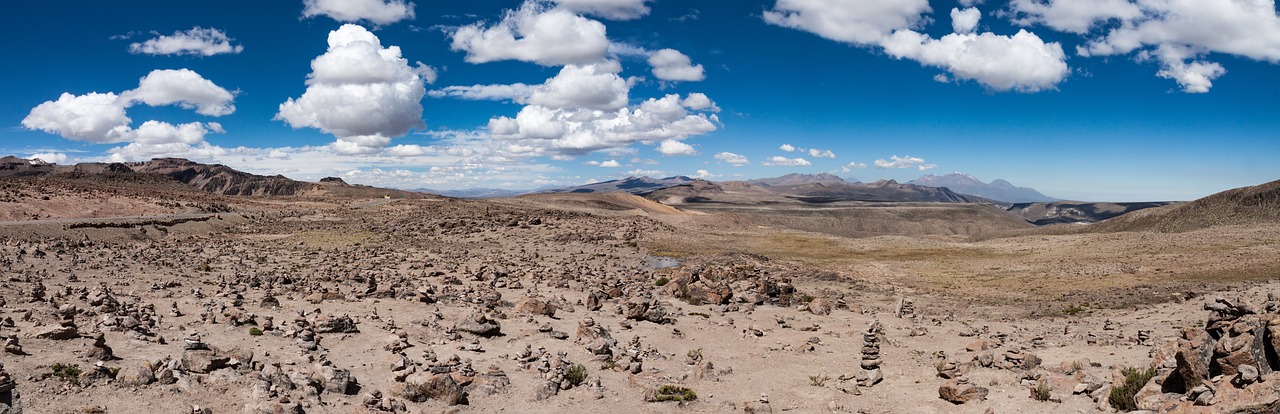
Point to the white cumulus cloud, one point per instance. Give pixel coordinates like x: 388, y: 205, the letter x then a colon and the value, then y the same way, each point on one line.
x: 788, y: 148
x: 672, y: 147
x: 860, y: 22
x: 93, y: 117
x: 780, y: 161
x: 609, y: 9
x: 360, y: 92
x: 853, y: 166
x: 101, y: 118
x: 197, y: 41
x: 611, y: 164
x: 1074, y: 16
x: 534, y: 33
x: 699, y: 102
x: 671, y: 65
x: 1022, y: 62
x: 736, y: 160
x: 378, y: 12
x: 966, y: 20
x: 539, y: 130
x: 904, y: 162
x: 1178, y: 33
x: 817, y: 153
x: 185, y: 88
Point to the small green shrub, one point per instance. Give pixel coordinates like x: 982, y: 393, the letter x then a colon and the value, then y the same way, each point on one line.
x: 1041, y: 392
x: 64, y: 372
x: 662, y: 281
x: 575, y: 374
x: 1122, y: 398
x: 255, y: 332
x: 674, y: 393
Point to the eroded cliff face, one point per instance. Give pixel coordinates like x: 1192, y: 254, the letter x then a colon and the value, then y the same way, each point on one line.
x: 220, y: 179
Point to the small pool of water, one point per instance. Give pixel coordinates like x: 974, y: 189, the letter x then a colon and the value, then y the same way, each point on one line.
x: 661, y: 262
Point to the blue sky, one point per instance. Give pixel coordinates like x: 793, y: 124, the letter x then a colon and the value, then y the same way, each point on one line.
x: 1127, y: 100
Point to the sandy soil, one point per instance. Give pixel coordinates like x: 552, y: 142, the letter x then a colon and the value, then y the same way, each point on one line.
x: 412, y: 272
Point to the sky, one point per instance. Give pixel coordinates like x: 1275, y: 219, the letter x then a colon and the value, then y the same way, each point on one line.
x: 1099, y: 100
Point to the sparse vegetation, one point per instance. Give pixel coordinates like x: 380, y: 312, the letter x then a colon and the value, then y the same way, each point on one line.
x: 818, y: 380
x: 575, y: 374
x: 662, y: 281
x: 1073, y: 310
x: 68, y: 373
x: 1041, y: 392
x: 255, y: 332
x: 674, y: 393
x: 1122, y: 397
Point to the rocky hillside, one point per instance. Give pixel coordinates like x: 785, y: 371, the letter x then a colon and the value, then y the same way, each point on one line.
x: 1240, y: 206
x: 1070, y: 212
x: 220, y: 179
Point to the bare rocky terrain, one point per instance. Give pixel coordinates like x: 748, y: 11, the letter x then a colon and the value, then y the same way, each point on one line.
x: 139, y: 292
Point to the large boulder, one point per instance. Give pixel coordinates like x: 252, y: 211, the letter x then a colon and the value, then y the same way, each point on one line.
x: 478, y: 324
x: 423, y: 386
x: 960, y: 391
x: 135, y: 375
x: 203, y: 361
x: 536, y: 306
x: 337, y: 381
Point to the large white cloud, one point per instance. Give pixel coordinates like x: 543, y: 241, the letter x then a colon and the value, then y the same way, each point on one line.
x: 1176, y: 33
x: 860, y: 22
x: 1074, y: 16
x: 360, y: 92
x: 93, y: 117
x: 183, y: 87
x: 100, y: 117
x: 534, y: 33
x: 539, y: 130
x: 671, y: 65
x: 1182, y: 31
x: 1022, y: 62
x: 595, y: 86
x: 609, y: 9
x: 375, y: 11
x: 197, y: 41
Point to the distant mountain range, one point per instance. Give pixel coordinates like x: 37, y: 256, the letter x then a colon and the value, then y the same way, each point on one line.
x: 210, y: 178
x: 633, y: 185
x: 996, y: 190
x: 955, y: 187
x: 799, y: 179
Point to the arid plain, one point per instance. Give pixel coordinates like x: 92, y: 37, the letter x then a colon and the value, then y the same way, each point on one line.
x: 133, y: 292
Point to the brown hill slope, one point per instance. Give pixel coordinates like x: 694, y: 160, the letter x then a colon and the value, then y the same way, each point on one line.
x: 1241, y: 206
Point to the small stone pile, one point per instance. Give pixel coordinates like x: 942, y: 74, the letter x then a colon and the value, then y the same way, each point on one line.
x: 906, y: 309
x: 871, y: 355
x: 9, y: 399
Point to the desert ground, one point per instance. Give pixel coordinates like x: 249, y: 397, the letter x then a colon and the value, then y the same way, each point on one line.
x: 141, y: 297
